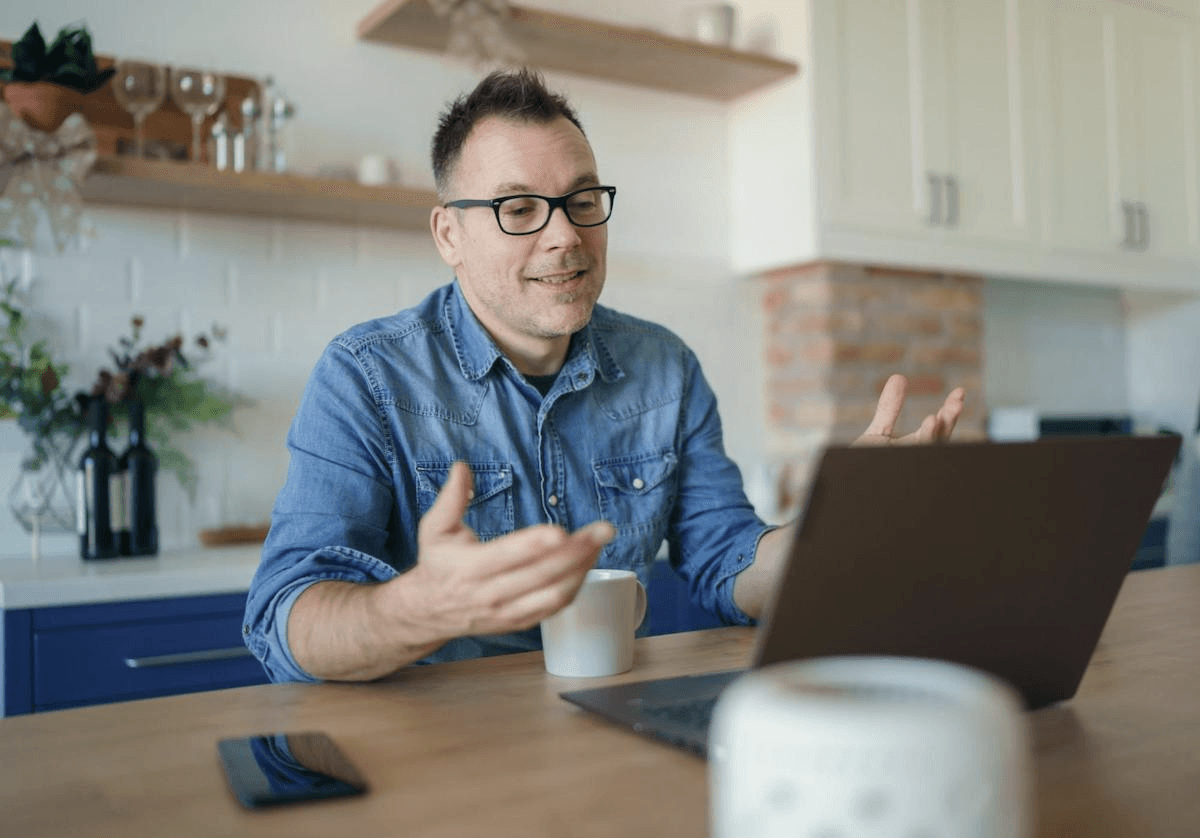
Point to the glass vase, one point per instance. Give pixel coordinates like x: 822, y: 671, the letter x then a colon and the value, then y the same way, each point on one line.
x: 43, y: 498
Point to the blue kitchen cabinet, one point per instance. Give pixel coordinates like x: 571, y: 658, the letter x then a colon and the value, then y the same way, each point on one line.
x: 74, y: 655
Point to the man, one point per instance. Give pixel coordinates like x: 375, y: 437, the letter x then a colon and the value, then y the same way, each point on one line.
x: 458, y: 467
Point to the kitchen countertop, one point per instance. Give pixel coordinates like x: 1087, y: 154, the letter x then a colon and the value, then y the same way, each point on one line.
x: 68, y: 580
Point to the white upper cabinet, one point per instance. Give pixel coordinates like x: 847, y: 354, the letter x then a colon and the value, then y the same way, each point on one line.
x: 1051, y: 139
x: 920, y: 116
x: 1157, y: 152
x: 975, y: 116
x: 871, y: 149
x: 1119, y: 143
x: 1079, y: 206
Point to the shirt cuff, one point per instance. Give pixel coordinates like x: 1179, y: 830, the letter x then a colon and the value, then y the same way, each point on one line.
x: 336, y: 564
x: 730, y: 612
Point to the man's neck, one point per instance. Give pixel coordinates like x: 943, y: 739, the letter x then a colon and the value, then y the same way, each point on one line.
x: 544, y: 358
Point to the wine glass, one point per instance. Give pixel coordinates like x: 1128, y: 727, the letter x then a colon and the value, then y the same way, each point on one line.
x: 140, y: 88
x: 199, y: 93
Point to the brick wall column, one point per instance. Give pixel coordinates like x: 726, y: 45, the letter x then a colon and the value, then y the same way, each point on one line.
x: 835, y: 331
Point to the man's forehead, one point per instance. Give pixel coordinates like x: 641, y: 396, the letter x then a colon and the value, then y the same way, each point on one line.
x: 506, y: 156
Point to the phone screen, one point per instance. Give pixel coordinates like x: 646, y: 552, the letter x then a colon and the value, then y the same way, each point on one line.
x: 280, y: 768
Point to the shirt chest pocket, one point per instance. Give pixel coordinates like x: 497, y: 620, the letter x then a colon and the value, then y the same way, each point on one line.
x: 490, y: 510
x: 636, y: 492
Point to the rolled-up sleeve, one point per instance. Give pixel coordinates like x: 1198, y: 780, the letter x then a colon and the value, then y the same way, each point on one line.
x: 715, y: 531
x: 331, y: 519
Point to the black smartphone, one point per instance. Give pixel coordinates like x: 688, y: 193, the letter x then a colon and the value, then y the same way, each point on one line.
x: 277, y: 768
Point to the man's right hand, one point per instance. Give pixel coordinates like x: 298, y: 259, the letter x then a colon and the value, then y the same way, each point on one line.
x: 468, y: 587
x: 459, y: 586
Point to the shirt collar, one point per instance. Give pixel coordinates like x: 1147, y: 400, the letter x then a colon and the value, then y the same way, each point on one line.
x: 476, y: 350
x: 477, y: 353
x: 589, y: 342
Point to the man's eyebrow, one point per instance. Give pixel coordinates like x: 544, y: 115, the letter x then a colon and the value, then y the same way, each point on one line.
x: 513, y: 188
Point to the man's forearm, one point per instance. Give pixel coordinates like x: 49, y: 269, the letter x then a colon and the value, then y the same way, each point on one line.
x: 753, y: 586
x: 341, y: 631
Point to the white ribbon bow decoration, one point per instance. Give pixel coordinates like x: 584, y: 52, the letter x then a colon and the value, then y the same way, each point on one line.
x: 45, y: 168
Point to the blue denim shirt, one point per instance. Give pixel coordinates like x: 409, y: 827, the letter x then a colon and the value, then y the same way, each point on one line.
x: 628, y: 432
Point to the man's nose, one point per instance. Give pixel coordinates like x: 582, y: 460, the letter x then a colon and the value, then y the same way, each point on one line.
x: 559, y: 231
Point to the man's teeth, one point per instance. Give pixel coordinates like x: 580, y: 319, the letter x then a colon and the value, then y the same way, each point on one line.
x: 559, y: 279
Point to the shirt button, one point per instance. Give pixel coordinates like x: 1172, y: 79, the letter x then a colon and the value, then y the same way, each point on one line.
x: 552, y: 500
x: 639, y: 483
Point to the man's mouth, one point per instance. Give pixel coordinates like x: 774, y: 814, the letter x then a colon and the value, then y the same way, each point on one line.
x: 559, y: 278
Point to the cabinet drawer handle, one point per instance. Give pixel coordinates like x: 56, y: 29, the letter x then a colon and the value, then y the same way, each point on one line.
x: 951, y: 201
x: 1144, y: 218
x: 205, y: 655
x: 1130, y: 240
x: 935, y: 199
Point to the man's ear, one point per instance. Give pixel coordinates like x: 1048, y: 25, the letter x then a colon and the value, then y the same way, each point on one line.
x: 443, y: 223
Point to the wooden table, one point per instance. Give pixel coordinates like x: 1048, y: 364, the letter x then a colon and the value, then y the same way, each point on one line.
x: 486, y: 748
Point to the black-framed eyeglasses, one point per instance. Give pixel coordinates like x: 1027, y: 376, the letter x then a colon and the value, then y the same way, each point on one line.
x: 523, y: 215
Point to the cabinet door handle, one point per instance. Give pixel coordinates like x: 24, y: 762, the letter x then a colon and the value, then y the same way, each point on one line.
x: 935, y: 199
x: 203, y: 656
x: 951, y: 201
x: 1143, y: 240
x: 1130, y: 240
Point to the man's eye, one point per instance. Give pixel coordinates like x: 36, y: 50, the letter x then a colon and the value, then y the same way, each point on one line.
x: 517, y: 209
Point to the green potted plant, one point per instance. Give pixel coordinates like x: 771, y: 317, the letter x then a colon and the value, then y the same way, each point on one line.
x: 164, y: 377
x: 46, y: 83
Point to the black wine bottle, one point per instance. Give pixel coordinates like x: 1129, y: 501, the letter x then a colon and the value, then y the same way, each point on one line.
x: 139, y: 466
x: 97, y: 467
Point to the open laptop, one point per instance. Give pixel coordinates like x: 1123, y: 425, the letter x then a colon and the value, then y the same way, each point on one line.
x: 1002, y: 556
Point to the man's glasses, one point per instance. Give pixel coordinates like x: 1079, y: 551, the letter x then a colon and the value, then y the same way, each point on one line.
x: 523, y: 215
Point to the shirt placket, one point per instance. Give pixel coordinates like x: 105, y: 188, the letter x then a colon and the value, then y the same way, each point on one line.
x: 555, y: 492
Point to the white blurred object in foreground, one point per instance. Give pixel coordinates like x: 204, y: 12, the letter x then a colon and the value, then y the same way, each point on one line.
x: 865, y: 746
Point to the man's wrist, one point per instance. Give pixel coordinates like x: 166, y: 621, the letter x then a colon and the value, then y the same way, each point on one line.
x: 400, y: 608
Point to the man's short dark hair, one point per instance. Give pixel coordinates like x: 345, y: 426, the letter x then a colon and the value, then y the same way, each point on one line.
x: 517, y: 95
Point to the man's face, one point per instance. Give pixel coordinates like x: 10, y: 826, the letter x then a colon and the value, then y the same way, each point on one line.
x: 530, y: 292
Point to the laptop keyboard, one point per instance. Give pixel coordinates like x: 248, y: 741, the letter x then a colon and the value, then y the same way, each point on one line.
x: 694, y: 713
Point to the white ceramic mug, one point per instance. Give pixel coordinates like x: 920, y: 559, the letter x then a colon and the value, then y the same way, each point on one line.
x: 593, y: 635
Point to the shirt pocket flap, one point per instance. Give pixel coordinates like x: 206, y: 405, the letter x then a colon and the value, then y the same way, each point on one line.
x: 635, y: 475
x: 490, y: 479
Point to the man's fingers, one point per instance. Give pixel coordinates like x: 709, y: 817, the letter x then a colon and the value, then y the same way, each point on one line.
x: 527, y: 544
x: 598, y: 532
x: 555, y: 572
x: 445, y: 517
x: 950, y: 412
x: 927, y: 432
x: 887, y: 411
x: 531, y: 545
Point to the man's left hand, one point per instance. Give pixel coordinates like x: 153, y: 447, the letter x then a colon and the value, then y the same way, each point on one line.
x: 936, y: 427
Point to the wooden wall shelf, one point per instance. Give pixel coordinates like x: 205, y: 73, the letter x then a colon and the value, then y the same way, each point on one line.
x: 167, y: 125
x: 623, y: 54
x: 170, y: 185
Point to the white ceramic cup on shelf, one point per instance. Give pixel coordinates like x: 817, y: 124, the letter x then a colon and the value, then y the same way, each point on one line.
x: 594, y: 635
x: 715, y: 23
x: 377, y: 170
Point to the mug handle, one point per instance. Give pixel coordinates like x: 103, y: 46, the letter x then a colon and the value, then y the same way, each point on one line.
x: 640, y: 608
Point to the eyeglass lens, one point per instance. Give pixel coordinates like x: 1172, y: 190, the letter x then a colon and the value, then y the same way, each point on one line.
x: 527, y: 213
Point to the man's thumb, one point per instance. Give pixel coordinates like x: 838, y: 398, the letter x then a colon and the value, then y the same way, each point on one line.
x: 446, y: 514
